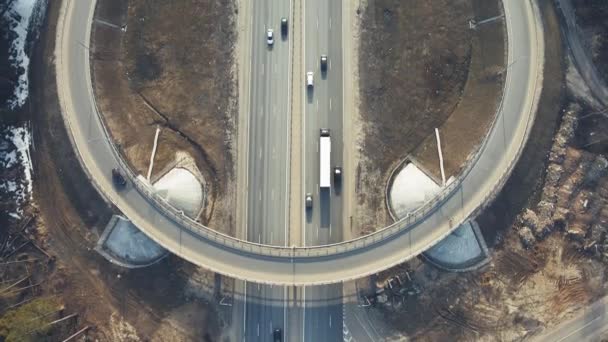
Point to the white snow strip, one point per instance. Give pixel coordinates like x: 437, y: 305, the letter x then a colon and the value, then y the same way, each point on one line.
x: 23, y: 16
x: 22, y: 140
x: 9, y: 159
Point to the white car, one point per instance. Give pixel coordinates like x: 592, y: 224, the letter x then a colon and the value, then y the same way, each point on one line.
x: 309, y: 76
x: 270, y: 37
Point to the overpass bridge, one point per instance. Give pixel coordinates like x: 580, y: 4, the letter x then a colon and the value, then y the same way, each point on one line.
x: 477, y: 185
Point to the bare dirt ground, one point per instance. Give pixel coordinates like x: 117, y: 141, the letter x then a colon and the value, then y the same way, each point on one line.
x: 49, y: 269
x: 172, y: 66
x: 546, y: 231
x: 591, y: 17
x: 417, y: 75
x: 550, y: 263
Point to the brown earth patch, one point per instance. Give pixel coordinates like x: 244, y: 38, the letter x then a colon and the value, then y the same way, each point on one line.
x: 421, y: 67
x: 55, y: 249
x: 173, y: 67
x: 545, y: 230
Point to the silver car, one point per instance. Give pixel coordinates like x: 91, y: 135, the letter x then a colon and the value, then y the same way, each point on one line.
x: 308, y: 201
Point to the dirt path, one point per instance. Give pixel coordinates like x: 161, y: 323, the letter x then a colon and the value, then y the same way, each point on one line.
x: 591, y: 18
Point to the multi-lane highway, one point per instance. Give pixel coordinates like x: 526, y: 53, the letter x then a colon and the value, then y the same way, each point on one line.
x: 301, y: 266
x: 322, y: 109
x: 269, y: 119
x: 316, y: 312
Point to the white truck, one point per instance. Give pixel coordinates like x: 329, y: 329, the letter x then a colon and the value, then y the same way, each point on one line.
x: 325, y: 155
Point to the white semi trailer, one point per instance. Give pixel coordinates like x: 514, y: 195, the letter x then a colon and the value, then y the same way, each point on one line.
x: 325, y: 155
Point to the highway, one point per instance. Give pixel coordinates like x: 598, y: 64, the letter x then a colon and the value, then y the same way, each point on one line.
x: 322, y: 103
x: 300, y: 266
x: 265, y: 307
x: 269, y: 119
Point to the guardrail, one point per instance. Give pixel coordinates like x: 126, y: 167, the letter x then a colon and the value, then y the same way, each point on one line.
x: 392, y: 230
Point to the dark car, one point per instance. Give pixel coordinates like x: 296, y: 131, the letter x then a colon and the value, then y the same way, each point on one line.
x: 277, y: 335
x: 284, y: 26
x: 118, y: 179
x: 324, y: 63
x: 337, y: 175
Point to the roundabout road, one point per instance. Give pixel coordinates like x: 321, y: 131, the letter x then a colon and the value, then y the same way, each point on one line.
x: 307, y: 265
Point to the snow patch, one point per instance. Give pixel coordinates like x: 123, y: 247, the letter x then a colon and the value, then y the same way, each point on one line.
x: 16, y: 169
x: 24, y: 16
x: 22, y: 140
x: 9, y: 159
x: 181, y: 189
x: 410, y: 190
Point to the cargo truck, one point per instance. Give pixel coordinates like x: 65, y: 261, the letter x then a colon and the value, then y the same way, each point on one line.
x: 325, y: 155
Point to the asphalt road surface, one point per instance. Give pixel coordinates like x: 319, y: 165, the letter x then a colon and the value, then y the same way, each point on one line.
x: 581, y: 54
x: 323, y: 317
x: 265, y: 308
x: 224, y: 255
x: 589, y: 325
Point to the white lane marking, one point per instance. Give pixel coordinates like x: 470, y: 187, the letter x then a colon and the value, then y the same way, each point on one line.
x: 330, y: 321
x: 318, y: 189
x: 262, y: 69
x: 271, y: 327
x: 304, y: 315
x: 330, y: 104
x: 245, y: 309
x: 260, y: 154
x: 260, y: 238
x: 330, y: 64
x: 289, y: 142
x: 317, y: 23
x: 579, y: 329
x: 363, y: 326
x: 260, y: 196
x: 285, y: 310
x: 271, y: 242
x: 330, y: 23
x: 317, y: 233
x: 258, y: 329
x: 303, y: 133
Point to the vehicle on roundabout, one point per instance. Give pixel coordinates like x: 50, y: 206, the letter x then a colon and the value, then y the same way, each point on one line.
x: 118, y: 179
